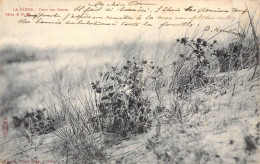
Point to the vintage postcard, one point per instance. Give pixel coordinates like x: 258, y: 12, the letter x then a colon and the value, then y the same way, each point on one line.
x: 146, y: 81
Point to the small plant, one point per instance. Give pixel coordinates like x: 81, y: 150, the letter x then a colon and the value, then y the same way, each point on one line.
x: 37, y: 123
x: 191, y: 71
x: 123, y: 108
x: 234, y: 57
x: 200, y: 47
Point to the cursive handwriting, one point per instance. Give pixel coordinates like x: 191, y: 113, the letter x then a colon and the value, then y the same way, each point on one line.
x: 219, y: 29
x: 134, y: 14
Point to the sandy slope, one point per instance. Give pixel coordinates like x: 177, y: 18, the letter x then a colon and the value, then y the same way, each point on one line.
x: 224, y: 130
x: 218, y: 135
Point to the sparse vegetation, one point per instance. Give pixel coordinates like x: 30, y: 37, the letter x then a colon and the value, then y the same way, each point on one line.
x: 91, y: 115
x: 123, y: 107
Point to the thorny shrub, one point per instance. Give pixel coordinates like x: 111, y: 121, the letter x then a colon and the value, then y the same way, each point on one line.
x: 200, y: 60
x: 123, y: 107
x: 37, y: 123
x: 236, y: 56
x: 196, y: 64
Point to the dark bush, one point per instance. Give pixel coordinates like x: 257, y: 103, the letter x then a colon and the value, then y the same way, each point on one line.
x: 234, y: 57
x: 36, y: 122
x: 199, y: 62
x: 123, y: 108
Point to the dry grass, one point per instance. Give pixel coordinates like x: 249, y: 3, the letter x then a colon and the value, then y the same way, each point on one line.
x: 175, y: 85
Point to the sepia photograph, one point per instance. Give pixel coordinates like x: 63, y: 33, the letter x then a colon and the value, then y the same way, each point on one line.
x: 129, y: 82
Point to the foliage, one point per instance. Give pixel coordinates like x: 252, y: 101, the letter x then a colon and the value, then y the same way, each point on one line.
x: 234, y: 57
x: 191, y: 70
x: 123, y: 108
x: 37, y: 123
